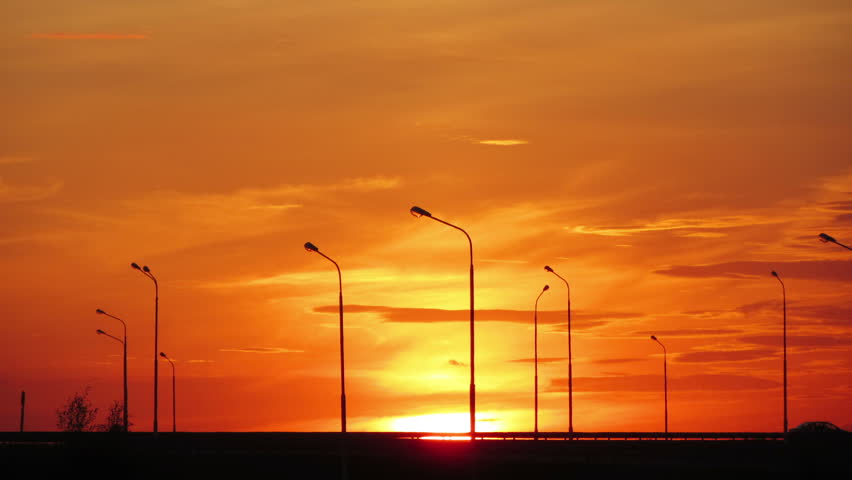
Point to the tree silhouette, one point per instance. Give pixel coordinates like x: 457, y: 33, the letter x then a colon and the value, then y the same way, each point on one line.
x: 78, y: 415
x: 115, y: 419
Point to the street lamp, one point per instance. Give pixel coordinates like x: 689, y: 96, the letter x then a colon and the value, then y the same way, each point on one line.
x: 535, y: 323
x: 665, y: 383
x: 570, y: 367
x: 310, y: 247
x: 784, y: 297
x: 147, y: 272
x: 124, y: 343
x: 419, y: 212
x: 174, y: 403
x: 826, y: 238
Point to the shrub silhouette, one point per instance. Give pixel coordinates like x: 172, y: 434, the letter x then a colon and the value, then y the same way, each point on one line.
x: 78, y: 415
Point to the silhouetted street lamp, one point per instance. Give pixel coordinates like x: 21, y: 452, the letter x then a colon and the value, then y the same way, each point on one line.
x: 535, y: 323
x: 826, y: 238
x: 147, y: 272
x: 419, y: 212
x: 174, y: 396
x: 313, y: 248
x: 570, y: 369
x: 665, y: 383
x: 784, y: 297
x: 124, y: 343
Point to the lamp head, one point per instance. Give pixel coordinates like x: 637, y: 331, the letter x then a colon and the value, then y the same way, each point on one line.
x: 825, y: 238
x: 164, y: 355
x: 100, y: 312
x: 654, y: 338
x: 774, y: 273
x: 100, y: 332
x: 419, y: 212
x: 146, y: 269
x: 546, y: 288
x: 135, y: 266
x: 548, y: 269
x: 311, y: 247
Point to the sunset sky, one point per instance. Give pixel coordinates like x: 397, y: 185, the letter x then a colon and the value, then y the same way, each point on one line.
x: 662, y: 156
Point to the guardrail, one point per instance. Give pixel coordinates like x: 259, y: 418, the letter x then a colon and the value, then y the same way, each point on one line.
x: 14, y: 437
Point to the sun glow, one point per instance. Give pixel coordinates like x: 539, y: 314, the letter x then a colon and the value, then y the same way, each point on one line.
x: 446, y: 423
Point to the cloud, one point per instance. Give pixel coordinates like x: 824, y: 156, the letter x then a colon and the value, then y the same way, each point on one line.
x: 15, y: 193
x: 799, y: 340
x: 199, y: 361
x: 608, y: 361
x: 689, y: 332
x: 713, y: 356
x: 691, y: 227
x: 831, y: 270
x: 14, y: 160
x: 540, y: 360
x: 503, y: 143
x: 653, y: 383
x: 580, y: 319
x: 456, y: 363
x: 90, y: 36
x: 264, y: 350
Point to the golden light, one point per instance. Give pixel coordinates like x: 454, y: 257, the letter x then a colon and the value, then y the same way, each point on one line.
x: 446, y: 423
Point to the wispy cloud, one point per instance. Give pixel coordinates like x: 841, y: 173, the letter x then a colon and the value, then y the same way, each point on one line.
x: 834, y: 270
x: 456, y: 363
x: 581, y: 319
x: 264, y: 350
x: 90, y: 36
x: 690, y: 332
x: 509, y: 142
x: 690, y: 227
x: 651, y: 383
x: 28, y: 193
x: 540, y: 360
x: 713, y: 356
x: 14, y: 160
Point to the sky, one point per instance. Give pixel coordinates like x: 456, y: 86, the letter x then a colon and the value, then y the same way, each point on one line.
x: 663, y: 157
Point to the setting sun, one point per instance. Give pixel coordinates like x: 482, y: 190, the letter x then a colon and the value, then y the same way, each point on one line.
x: 444, y: 423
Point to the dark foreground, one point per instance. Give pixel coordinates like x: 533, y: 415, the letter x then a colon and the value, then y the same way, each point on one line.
x: 378, y: 455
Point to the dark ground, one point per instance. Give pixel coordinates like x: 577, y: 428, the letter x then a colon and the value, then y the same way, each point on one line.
x: 318, y: 455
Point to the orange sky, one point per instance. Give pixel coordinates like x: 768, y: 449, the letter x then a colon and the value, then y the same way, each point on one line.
x: 662, y: 156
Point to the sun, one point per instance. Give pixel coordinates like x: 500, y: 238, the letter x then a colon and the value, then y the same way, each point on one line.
x: 445, y: 423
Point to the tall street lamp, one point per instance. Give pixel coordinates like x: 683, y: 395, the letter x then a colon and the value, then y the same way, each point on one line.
x: 419, y: 212
x: 124, y: 343
x: 535, y: 324
x: 570, y: 366
x: 174, y: 402
x: 665, y: 383
x: 826, y: 238
x: 147, y: 272
x: 784, y: 297
x: 313, y: 248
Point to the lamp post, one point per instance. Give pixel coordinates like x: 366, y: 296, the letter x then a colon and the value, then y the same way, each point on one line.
x: 310, y: 247
x: 174, y: 396
x: 570, y: 366
x: 784, y: 298
x: 535, y: 326
x: 101, y: 332
x: 419, y: 212
x: 147, y: 272
x: 124, y: 343
x: 665, y: 383
x: 826, y: 238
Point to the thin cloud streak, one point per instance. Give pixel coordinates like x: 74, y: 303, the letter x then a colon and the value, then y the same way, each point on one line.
x: 828, y: 270
x: 90, y: 36
x: 503, y: 143
x: 262, y: 350
x: 434, y: 315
